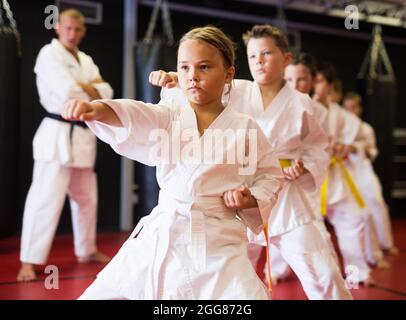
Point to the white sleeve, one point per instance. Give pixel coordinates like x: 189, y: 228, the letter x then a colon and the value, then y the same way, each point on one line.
x: 264, y: 186
x: 103, y: 88
x: 322, y: 115
x: 51, y: 70
x: 351, y: 129
x: 174, y: 94
x: 313, y: 152
x: 361, y: 142
x: 372, y: 147
x: 139, y: 119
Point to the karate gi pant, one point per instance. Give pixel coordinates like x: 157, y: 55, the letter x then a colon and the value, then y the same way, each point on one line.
x: 307, y: 252
x: 281, y: 269
x: 349, y: 222
x: 373, y: 251
x: 158, y: 260
x: 381, y: 219
x: 51, y: 183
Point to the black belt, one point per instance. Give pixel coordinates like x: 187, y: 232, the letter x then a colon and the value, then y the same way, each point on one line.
x: 72, y: 123
x: 59, y: 118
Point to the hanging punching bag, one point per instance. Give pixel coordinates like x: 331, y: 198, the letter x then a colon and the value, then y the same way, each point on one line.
x: 9, y: 115
x: 378, y: 88
x: 154, y: 52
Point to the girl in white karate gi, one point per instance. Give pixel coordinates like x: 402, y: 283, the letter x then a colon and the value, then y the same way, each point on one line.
x: 192, y: 245
x: 287, y: 119
x: 64, y: 153
x: 369, y: 182
x: 343, y: 212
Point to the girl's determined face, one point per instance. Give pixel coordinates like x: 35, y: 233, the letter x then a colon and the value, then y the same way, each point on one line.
x: 299, y: 77
x: 266, y: 60
x: 201, y: 72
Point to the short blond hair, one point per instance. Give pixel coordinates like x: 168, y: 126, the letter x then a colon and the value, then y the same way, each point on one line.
x: 355, y: 97
x: 216, y: 38
x: 268, y: 31
x: 72, y: 13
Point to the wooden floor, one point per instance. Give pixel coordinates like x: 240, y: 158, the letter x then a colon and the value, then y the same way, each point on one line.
x: 74, y: 278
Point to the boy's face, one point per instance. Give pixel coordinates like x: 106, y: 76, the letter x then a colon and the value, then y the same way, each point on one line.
x: 336, y: 96
x: 266, y: 61
x: 352, y: 106
x: 201, y: 72
x: 299, y: 77
x: 322, y: 88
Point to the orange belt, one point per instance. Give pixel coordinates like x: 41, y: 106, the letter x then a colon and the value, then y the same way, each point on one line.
x: 268, y: 261
x: 283, y: 164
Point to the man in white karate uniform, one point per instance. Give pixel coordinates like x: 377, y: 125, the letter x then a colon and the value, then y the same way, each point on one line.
x: 64, y: 152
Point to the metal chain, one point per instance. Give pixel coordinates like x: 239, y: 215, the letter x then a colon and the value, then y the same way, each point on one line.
x: 1, y: 16
x: 166, y: 22
x: 152, y: 22
x: 166, y: 18
x: 13, y: 24
x: 9, y: 15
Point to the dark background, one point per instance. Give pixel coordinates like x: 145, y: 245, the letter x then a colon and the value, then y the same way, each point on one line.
x: 104, y: 43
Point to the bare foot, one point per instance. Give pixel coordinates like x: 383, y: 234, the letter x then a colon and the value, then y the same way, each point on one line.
x: 26, y: 273
x: 97, y: 257
x: 393, y: 251
x: 383, y: 264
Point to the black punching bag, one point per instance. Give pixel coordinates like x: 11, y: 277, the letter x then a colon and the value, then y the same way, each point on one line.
x: 9, y: 115
x: 154, y: 52
x: 378, y: 88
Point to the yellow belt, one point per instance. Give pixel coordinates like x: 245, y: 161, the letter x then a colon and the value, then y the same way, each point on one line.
x: 284, y: 163
x: 348, y: 179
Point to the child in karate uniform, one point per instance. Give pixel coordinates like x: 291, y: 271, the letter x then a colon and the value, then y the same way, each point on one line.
x: 300, y: 75
x: 288, y: 119
x: 369, y: 182
x: 193, y: 245
x: 373, y: 252
x: 343, y: 212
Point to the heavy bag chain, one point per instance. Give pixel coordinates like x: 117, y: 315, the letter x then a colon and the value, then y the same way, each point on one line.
x: 166, y: 21
x: 13, y: 23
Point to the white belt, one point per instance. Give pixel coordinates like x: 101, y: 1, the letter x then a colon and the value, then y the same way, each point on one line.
x: 195, y: 209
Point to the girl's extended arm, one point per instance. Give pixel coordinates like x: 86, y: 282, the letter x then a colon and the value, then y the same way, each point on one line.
x: 90, y: 111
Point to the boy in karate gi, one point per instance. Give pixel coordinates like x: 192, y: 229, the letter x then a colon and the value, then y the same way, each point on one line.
x: 300, y: 75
